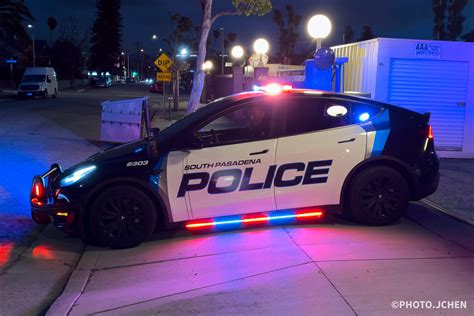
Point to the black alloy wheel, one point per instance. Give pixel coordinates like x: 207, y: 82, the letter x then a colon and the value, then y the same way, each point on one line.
x: 122, y: 217
x: 379, y: 196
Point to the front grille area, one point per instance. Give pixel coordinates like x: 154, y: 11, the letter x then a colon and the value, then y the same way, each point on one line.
x: 29, y: 87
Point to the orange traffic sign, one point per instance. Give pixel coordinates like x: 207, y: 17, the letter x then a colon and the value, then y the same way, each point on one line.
x: 163, y: 62
x: 164, y: 76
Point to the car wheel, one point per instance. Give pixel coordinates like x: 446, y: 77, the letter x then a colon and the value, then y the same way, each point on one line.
x: 122, y: 217
x: 45, y: 94
x: 55, y: 95
x: 378, y: 196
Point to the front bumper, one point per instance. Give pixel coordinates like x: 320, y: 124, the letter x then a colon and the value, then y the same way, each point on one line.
x: 26, y: 93
x: 53, y: 206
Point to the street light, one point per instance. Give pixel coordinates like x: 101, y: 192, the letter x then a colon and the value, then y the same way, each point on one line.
x: 207, y: 66
x: 319, y: 27
x: 237, y: 52
x: 261, y: 46
x: 30, y: 26
x: 154, y: 37
x: 184, y: 52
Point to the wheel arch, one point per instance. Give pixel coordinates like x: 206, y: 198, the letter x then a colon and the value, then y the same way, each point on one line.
x: 386, y: 161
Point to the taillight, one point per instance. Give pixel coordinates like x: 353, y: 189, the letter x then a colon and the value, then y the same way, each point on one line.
x: 430, y: 132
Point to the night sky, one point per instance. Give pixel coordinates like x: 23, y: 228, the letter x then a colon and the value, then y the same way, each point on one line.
x: 142, y: 18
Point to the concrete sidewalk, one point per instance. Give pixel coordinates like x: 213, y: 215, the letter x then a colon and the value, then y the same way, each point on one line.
x: 329, y: 268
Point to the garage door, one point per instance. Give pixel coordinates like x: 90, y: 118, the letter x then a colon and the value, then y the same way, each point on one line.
x: 435, y: 86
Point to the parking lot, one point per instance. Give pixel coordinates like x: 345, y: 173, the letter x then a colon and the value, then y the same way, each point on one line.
x: 328, y: 267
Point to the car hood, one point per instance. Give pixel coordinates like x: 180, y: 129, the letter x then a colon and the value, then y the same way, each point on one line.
x: 128, y: 149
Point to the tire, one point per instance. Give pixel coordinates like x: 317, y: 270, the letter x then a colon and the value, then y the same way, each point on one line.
x: 121, y: 217
x: 55, y: 95
x: 45, y: 94
x: 378, y: 196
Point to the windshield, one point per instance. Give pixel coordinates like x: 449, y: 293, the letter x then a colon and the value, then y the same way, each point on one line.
x: 34, y: 78
x: 200, y: 115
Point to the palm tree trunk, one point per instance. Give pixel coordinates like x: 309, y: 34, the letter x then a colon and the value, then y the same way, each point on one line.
x: 199, y: 75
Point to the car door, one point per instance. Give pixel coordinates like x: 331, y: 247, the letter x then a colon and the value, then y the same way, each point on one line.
x: 228, y: 175
x: 319, y: 148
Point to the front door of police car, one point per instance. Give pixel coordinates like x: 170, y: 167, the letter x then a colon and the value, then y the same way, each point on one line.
x: 229, y: 175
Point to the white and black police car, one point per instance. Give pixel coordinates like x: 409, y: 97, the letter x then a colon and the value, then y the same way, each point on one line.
x: 269, y: 156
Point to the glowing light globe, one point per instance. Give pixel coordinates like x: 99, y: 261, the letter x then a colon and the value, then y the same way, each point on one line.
x: 237, y: 52
x: 261, y: 46
x: 319, y: 26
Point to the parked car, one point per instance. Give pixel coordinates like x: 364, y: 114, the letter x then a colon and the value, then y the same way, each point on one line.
x: 157, y: 87
x: 130, y: 80
x: 38, y: 81
x: 103, y: 82
x: 271, y: 156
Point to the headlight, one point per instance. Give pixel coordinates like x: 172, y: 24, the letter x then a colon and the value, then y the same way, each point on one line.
x: 77, y: 175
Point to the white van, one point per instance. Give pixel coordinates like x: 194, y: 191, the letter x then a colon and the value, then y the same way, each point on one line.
x: 38, y: 81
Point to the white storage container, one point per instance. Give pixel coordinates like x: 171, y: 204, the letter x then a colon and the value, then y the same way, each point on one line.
x: 421, y: 75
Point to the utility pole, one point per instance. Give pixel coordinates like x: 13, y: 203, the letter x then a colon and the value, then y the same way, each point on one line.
x: 222, y: 50
x: 138, y: 60
x: 30, y: 26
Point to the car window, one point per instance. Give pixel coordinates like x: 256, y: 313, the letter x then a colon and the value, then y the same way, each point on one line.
x: 362, y: 112
x: 304, y: 115
x: 251, y: 122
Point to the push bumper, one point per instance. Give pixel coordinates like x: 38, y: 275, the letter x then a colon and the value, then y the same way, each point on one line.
x: 51, y: 205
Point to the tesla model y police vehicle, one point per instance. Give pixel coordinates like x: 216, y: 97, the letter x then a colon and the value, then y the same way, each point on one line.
x: 274, y: 155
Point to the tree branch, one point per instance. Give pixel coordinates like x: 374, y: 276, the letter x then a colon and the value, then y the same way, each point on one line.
x: 223, y: 13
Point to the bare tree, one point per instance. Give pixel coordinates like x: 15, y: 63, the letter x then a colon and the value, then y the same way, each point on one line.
x: 241, y: 7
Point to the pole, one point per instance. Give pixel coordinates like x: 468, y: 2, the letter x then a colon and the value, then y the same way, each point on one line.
x: 128, y: 65
x: 222, y: 50
x: 34, y: 50
x: 11, y: 77
x: 164, y: 98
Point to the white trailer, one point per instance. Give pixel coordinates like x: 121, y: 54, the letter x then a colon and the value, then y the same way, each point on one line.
x: 424, y: 76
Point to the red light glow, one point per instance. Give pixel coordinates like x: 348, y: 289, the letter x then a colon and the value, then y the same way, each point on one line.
x: 200, y: 224
x: 430, y: 132
x: 257, y: 218
x: 5, y: 253
x: 310, y: 214
x: 44, y: 252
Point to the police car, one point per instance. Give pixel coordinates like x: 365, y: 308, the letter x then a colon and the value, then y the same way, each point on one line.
x: 277, y: 155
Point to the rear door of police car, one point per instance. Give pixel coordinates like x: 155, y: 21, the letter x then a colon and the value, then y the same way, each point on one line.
x: 320, y: 146
x: 228, y: 175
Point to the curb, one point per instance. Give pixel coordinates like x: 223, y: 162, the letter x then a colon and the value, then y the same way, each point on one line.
x: 447, y: 211
x: 76, y: 284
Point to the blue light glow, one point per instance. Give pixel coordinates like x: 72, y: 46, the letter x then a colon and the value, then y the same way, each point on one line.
x: 77, y: 175
x: 364, y: 117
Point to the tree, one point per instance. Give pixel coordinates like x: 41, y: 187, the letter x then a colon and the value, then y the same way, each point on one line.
x: 106, y: 37
x: 439, y: 10
x: 448, y: 20
x: 366, y: 33
x: 455, y: 19
x: 348, y: 35
x: 14, y: 15
x: 67, y: 60
x: 241, y: 7
x: 180, y: 29
x: 288, y: 32
x: 468, y: 37
x: 52, y: 23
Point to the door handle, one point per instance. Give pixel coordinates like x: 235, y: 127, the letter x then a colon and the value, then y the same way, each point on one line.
x: 346, y: 141
x: 259, y: 152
